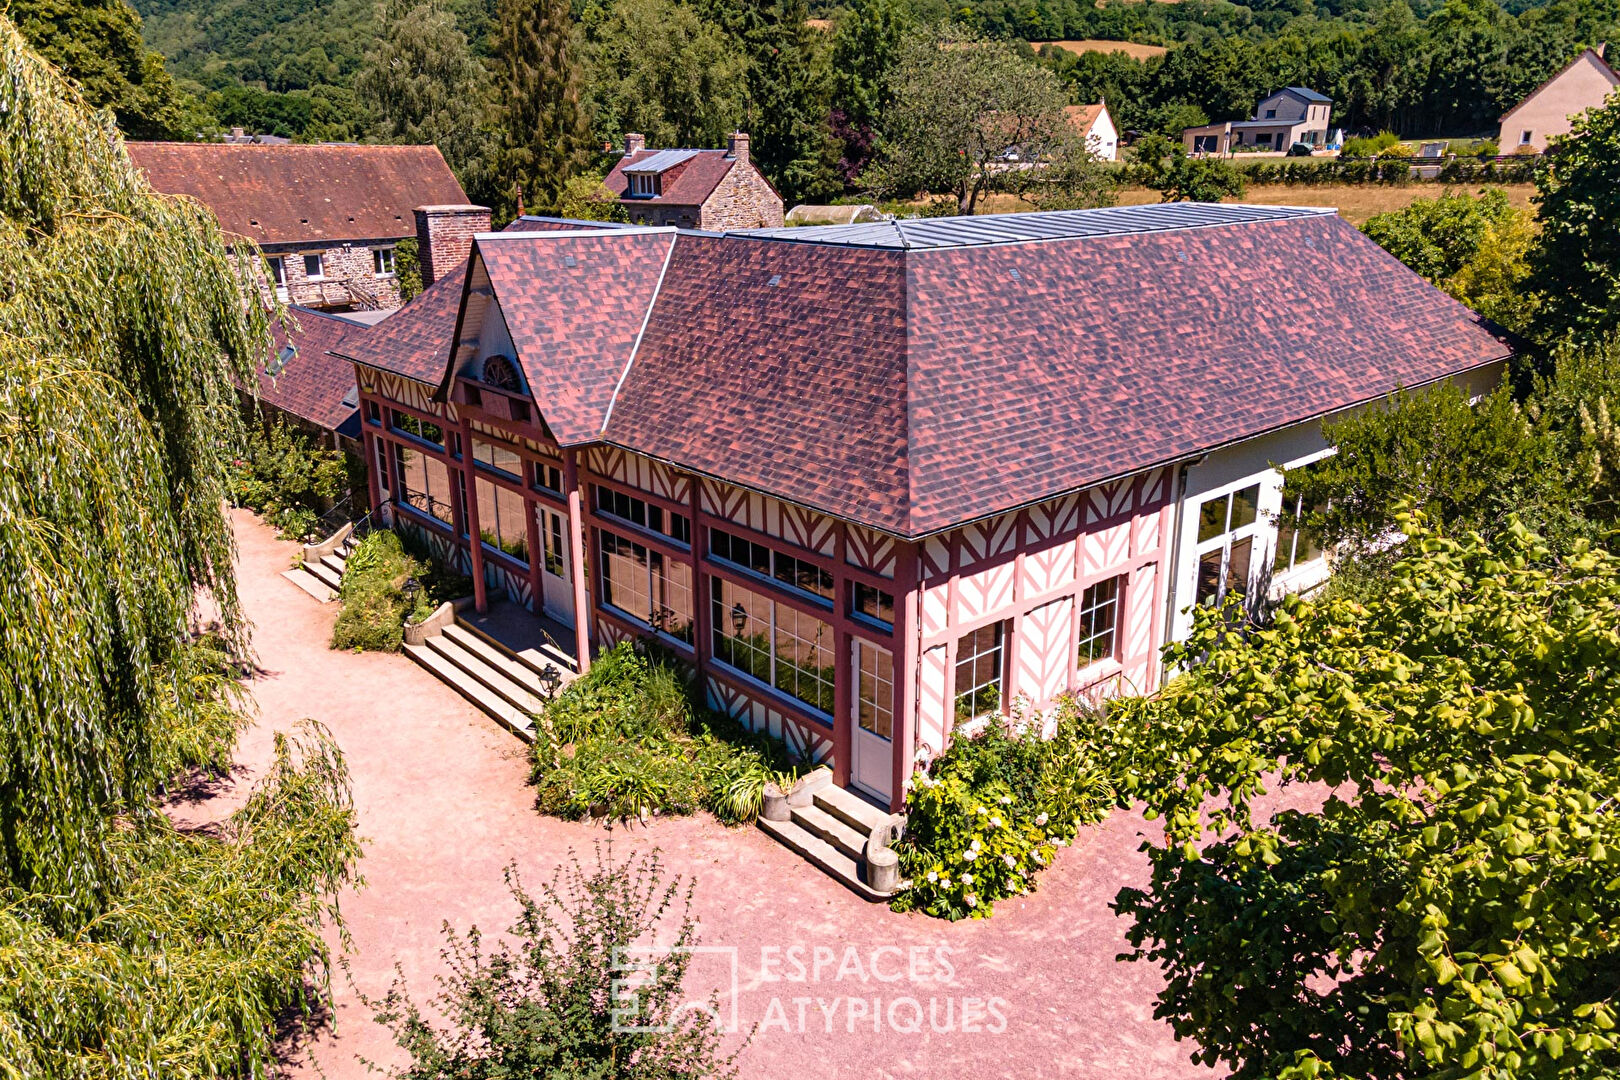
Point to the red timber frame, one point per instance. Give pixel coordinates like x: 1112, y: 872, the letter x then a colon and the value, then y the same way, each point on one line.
x: 916, y: 585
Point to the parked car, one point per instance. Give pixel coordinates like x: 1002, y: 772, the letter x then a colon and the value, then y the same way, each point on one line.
x: 1301, y: 149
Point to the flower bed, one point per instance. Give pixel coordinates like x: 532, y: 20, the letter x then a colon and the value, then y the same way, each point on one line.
x: 988, y: 814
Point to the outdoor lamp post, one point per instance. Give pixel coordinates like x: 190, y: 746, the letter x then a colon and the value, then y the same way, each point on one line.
x: 739, y: 618
x: 410, y: 589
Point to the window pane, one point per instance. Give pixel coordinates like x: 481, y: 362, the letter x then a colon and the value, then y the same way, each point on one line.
x: 548, y: 478
x: 979, y: 666
x: 804, y: 657
x: 1099, y: 609
x: 874, y: 603
x: 625, y: 575
x: 498, y: 457
x: 1287, y: 531
x: 1209, y: 578
x: 426, y: 484
x: 501, y: 520
x: 421, y: 429
x: 312, y: 266
x: 1245, y: 507
x: 1237, y: 567
x: 742, y: 629
x: 1212, y: 519
x: 875, y: 696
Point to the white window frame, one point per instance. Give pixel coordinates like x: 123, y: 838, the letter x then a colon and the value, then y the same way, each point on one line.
x: 380, y: 256
x: 278, y: 270
x: 320, y: 267
x: 643, y: 185
x: 1088, y: 632
x: 1223, y: 541
x: 1003, y: 632
x: 1525, y: 137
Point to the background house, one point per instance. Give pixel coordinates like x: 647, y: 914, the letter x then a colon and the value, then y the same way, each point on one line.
x: 327, y: 217
x: 1291, y: 115
x: 1583, y: 84
x: 1096, y: 126
x: 694, y: 189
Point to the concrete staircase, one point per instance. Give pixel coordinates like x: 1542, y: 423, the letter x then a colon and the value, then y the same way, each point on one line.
x: 321, y: 572
x: 511, y: 686
x: 839, y: 832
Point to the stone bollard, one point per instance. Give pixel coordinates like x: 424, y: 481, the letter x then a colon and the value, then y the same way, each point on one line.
x: 882, y: 869
x: 775, y: 807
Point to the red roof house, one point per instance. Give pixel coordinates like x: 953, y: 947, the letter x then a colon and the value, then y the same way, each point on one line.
x: 715, y: 190
x: 877, y: 480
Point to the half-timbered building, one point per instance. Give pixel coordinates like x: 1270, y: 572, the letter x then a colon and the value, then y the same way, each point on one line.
x: 875, y: 481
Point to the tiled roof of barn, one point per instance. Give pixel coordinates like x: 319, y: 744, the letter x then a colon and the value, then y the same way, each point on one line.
x: 966, y: 368
x: 687, y: 182
x: 312, y: 383
x: 417, y: 339
x: 302, y: 193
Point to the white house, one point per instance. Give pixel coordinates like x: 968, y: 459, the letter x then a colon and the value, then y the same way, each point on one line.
x: 1093, y: 122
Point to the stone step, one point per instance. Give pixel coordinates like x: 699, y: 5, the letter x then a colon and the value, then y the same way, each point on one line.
x: 850, y: 809
x: 311, y: 584
x: 503, y: 711
x: 332, y: 579
x: 833, y: 830
x: 495, y: 677
x: 336, y: 562
x: 845, y: 870
x: 499, y: 659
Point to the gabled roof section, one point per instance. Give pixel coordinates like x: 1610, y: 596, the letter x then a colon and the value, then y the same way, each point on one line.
x: 687, y: 182
x: 303, y: 193
x: 1306, y: 95
x: 575, y: 304
x: 659, y: 161
x: 1594, y: 56
x: 308, y: 381
x: 413, y: 340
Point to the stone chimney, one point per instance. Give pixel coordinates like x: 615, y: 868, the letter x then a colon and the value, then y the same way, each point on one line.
x: 737, y: 146
x: 634, y: 143
x: 444, y: 237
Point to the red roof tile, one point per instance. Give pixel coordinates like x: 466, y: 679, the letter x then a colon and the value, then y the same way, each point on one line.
x: 313, y: 383
x: 687, y: 184
x: 300, y: 193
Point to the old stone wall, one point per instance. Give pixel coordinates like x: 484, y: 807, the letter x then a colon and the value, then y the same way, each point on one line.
x: 743, y: 200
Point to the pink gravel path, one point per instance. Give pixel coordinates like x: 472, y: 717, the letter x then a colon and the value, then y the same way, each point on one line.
x: 444, y: 807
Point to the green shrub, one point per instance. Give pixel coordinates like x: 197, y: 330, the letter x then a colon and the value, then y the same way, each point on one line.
x: 374, y: 607
x: 1370, y: 146
x: 287, y: 478
x: 627, y: 739
x: 988, y: 814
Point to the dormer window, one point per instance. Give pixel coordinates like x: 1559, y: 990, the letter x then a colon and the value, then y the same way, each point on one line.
x: 643, y: 185
x: 1271, y: 114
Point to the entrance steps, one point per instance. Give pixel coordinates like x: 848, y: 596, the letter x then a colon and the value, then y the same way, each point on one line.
x: 322, y: 575
x: 835, y: 830
x: 510, y: 686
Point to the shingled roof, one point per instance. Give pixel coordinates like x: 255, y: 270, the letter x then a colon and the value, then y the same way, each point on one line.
x: 685, y: 183
x: 301, y: 193
x: 311, y: 383
x: 945, y: 371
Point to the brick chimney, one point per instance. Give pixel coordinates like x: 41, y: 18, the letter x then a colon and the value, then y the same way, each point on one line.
x: 444, y: 237
x: 634, y: 143
x: 737, y: 146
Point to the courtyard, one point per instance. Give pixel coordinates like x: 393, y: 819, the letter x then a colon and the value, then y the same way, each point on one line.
x: 834, y: 984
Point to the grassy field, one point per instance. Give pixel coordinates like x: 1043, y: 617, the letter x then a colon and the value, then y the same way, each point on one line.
x: 1355, y: 202
x: 1129, y: 48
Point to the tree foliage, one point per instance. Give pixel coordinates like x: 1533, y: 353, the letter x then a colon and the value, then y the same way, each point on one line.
x: 552, y: 1003
x: 128, y: 949
x: 969, y: 117
x: 1575, y: 262
x: 542, y: 116
x: 1438, y: 237
x: 1165, y: 167
x: 1448, y: 909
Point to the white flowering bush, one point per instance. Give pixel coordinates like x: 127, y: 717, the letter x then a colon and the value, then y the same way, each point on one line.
x: 989, y: 813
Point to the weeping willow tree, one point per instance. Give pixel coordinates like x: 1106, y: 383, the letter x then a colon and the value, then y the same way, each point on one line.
x: 127, y: 948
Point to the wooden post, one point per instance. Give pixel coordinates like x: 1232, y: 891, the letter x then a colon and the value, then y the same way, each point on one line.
x: 375, y: 448
x: 908, y: 590
x: 537, y: 556
x: 576, y: 559
x: 475, y: 536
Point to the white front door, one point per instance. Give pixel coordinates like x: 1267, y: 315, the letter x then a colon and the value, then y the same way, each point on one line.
x: 555, y: 573
x: 872, y: 747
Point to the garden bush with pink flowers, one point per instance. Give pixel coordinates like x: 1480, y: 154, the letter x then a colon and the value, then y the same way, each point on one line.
x: 989, y: 814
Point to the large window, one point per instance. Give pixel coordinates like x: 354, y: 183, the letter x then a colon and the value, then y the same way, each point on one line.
x: 871, y: 602
x: 278, y: 270
x: 502, y: 520
x: 497, y: 457
x: 1226, y: 536
x: 776, y: 644
x: 647, y: 584
x: 314, y: 267
x: 981, y: 663
x: 643, y: 185
x: 1099, y: 619
x: 425, y: 483
x: 417, y: 429
x: 779, y: 566
x: 642, y: 513
x: 1297, y: 543
x: 382, y: 261
x: 874, y: 689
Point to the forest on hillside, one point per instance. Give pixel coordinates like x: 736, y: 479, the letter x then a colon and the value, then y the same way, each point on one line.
x: 810, y: 81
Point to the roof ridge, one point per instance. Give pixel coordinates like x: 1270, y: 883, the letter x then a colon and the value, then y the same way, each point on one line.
x: 635, y: 347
